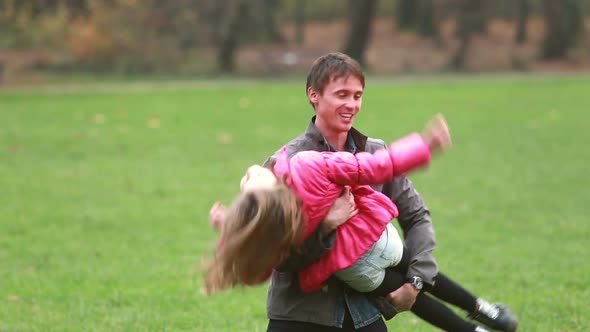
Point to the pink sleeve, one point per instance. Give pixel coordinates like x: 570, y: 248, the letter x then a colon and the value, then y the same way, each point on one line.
x: 363, y: 168
x: 409, y: 153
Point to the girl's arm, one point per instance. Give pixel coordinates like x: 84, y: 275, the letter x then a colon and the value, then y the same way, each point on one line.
x: 216, y: 215
x: 363, y: 168
x: 404, y: 155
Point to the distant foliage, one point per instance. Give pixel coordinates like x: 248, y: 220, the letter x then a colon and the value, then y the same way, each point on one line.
x: 180, y: 36
x: 117, y: 35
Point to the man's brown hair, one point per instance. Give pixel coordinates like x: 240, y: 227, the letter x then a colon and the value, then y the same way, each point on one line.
x: 330, y: 67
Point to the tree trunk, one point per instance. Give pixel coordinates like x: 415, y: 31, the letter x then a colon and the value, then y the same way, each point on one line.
x: 361, y: 13
x: 211, y: 13
x: 269, y: 8
x: 233, y: 22
x: 299, y: 21
x: 405, y: 14
x: 523, y: 16
x: 425, y: 18
x: 469, y: 21
x: 437, y: 16
x: 576, y: 20
x: 563, y: 27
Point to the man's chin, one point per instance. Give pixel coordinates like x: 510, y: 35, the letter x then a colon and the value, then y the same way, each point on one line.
x: 346, y: 127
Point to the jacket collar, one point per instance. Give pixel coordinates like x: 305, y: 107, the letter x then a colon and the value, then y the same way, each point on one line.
x: 314, y: 134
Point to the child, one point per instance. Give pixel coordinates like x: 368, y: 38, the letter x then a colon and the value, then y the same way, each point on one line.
x: 279, y: 209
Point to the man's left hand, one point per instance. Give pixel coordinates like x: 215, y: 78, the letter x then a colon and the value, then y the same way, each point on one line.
x: 403, y: 298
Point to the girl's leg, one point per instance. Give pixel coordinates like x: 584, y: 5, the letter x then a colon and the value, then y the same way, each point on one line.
x: 392, y: 281
x: 395, y: 276
x: 444, y: 288
x: 426, y: 307
x: 439, y: 315
x: 494, y: 315
x: 449, y: 291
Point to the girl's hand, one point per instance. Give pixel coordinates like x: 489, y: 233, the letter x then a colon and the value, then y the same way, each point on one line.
x: 216, y: 215
x: 437, y: 134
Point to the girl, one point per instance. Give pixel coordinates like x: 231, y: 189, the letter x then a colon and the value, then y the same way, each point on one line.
x: 280, y: 208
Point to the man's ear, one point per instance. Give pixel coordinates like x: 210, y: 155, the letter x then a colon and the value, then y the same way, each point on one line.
x: 312, y: 95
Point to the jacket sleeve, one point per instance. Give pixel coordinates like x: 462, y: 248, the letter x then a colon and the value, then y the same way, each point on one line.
x: 363, y: 168
x: 311, y: 250
x: 416, y: 223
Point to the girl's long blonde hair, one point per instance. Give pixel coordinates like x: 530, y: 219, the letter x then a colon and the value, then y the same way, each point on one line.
x: 259, y: 230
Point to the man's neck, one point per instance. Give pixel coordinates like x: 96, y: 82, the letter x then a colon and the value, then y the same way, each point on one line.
x: 335, y: 139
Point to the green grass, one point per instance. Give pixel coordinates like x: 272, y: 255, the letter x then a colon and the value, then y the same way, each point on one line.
x: 104, y: 195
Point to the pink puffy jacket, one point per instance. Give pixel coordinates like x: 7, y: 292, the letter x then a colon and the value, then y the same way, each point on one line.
x: 318, y: 178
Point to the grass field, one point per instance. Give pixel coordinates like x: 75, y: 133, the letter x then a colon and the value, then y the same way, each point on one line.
x: 104, y: 195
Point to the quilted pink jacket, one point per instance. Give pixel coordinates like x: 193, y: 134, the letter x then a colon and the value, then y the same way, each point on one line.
x: 318, y: 178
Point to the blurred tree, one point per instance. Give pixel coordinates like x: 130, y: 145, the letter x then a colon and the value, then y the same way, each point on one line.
x: 299, y: 17
x: 405, y: 14
x: 416, y: 15
x: 130, y: 36
x: 360, y: 15
x: 426, y: 26
x: 234, y: 19
x: 426, y: 17
x: 269, y: 10
x: 469, y: 21
x: 210, y: 15
x: 522, y: 18
x: 563, y: 27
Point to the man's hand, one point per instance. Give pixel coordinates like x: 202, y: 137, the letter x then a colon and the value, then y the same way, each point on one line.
x: 216, y: 215
x: 343, y: 209
x: 403, y: 298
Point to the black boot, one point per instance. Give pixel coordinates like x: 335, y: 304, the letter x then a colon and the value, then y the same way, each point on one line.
x: 496, y: 316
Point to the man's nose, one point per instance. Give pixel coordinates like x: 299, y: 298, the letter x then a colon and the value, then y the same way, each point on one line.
x: 352, y: 103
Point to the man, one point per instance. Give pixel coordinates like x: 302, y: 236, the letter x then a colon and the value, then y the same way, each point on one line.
x: 334, y: 88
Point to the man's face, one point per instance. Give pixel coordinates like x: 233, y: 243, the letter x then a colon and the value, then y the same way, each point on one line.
x: 339, y: 104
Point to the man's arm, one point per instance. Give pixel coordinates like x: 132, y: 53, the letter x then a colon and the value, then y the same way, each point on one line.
x: 416, y: 223
x: 414, y: 219
x: 311, y: 250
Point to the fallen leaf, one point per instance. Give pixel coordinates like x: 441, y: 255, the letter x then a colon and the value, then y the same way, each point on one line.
x: 123, y: 128
x: 244, y: 102
x: 153, y: 122
x: 224, y: 137
x: 99, y: 118
x: 15, y: 148
x: 554, y: 115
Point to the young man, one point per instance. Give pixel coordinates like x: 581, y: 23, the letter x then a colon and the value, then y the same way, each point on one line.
x: 334, y: 88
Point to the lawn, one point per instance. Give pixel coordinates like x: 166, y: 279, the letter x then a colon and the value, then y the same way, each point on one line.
x: 105, y: 190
